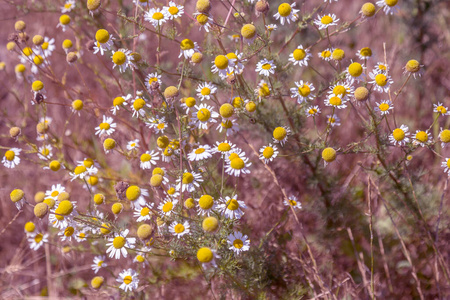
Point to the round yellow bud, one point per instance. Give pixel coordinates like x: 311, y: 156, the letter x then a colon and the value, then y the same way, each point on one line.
x: 203, y: 6
x: 20, y: 25
x: 162, y: 141
x: 204, y: 255
x: 10, y: 46
x: 14, y: 132
x: 226, y: 110
x: 37, y: 85
x: 105, y: 228
x: 117, y: 208
x: 412, y: 66
x: 97, y: 282
x: 210, y: 224
x: 39, y: 197
x: 171, y: 92
x: 99, y: 199
x: 197, y: 58
x: 248, y: 31
x: 156, y: 180
x: 368, y: 9
x: 329, y: 154
x: 250, y: 106
x: 38, y: 40
x: 67, y: 44
x: 54, y: 165
x: 64, y: 20
x: 144, y: 231
x: 189, y: 203
x: 16, y: 195
x: 109, y: 144
x: 30, y: 227
x: 361, y: 93
x: 41, y: 210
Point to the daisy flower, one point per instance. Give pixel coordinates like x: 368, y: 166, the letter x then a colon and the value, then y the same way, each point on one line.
x: 335, y: 101
x: 103, y: 41
x: 106, y: 127
x: 238, y: 242
x: 55, y: 191
x: 293, y: 201
x: 203, y: 115
x: 151, y: 79
x: 263, y: 90
x: 444, y: 137
x: 156, y: 16
x: 229, y: 125
x: 68, y: 6
x: 166, y: 207
x: 224, y: 148
x: 157, y: 124
x: 67, y: 233
x: 134, y: 144
x: 381, y: 82
x: 98, y: 263
x: 380, y: 67
x: 326, y: 21
x: 207, y: 257
x: 188, y: 48
x: 143, y: 213
x: 200, y: 153
x: 205, y: 205
x: 390, y: 7
x: 179, y: 229
x: 302, y: 92
x: 355, y: 72
x: 312, y: 111
x: 441, y: 109
x: 280, y: 135
x: 446, y: 165
x: 11, y: 158
x: 117, y: 245
x: 286, y: 13
x: 128, y: 280
x: 364, y: 53
x: 162, y: 172
x: 248, y: 32
x: 413, y: 67
x: 45, y: 152
x: 271, y: 27
x: 138, y: 106
x: 37, y: 240
x: 205, y: 90
x: 236, y: 61
x: 188, y: 103
x: 80, y: 235
x: 122, y: 59
x: 231, y: 207
x: 325, y: 54
x: 422, y: 138
x: 136, y: 196
x: 300, y: 56
x: 120, y: 101
x: 265, y: 67
x: 400, y: 136
x: 190, y: 181
x: 47, y: 47
x: 204, y: 20
x: 333, y: 120
x: 238, y: 165
x: 222, y: 65
x: 342, y: 89
x: 268, y: 153
x: 173, y: 11
x: 82, y: 171
x: 64, y: 21
x: 383, y: 107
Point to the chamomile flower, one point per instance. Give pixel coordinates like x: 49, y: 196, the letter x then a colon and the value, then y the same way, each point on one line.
x: 364, y: 53
x: 268, y: 153
x: 422, y: 138
x: 383, y: 107
x: 206, y: 90
x: 47, y: 47
x: 45, y: 152
x: 271, y: 27
x: 231, y: 207
x: 235, y: 37
x: 200, y: 153
x: 64, y: 21
x: 122, y: 59
x: 134, y: 144
x: 300, y: 56
x: 390, y: 7
x: 444, y: 137
x: 236, y: 61
x: 167, y: 206
x: 441, y: 109
x: 286, y: 13
x: 335, y: 101
x: 128, y: 280
x: 326, y: 21
x: 265, y: 67
x: 179, y: 229
x: 224, y: 148
x: 98, y: 263
x: 293, y: 201
x: 81, y: 172
x: 280, y: 135
x: 190, y: 182
x: 222, y: 65
x: 80, y: 235
x: 248, y: 32
x: 188, y: 103
x: 37, y: 240
x: 143, y: 213
x: 156, y: 16
x: 400, y: 136
x: 302, y: 92
x: 325, y: 54
x: 188, y: 48
x: 68, y: 6
x: 230, y: 126
x: 67, y: 233
x: 203, y: 115
x: 238, y: 242
x: 11, y: 158
x: 204, y: 20
x: 413, y: 67
x: 312, y: 111
x: 103, y: 41
x: 55, y: 191
x: 355, y: 72
x: 206, y: 204
x: 106, y: 127
x: 380, y: 67
x: 117, y: 245
x: 381, y: 82
x: 446, y: 165
x: 138, y: 106
x: 151, y: 80
x: 157, y: 124
x: 333, y: 120
x: 174, y: 11
x: 263, y: 90
x: 136, y: 195
x: 238, y: 165
x: 342, y: 89
x: 120, y: 101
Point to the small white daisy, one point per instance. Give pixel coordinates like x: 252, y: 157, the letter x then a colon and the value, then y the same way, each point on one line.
x: 400, y: 136
x: 134, y: 144
x: 128, y: 280
x: 335, y: 101
x: 188, y: 48
x: 68, y: 6
x: 143, y: 213
x: 138, y: 106
x: 122, y: 59
x: 106, y: 127
x: 174, y: 11
x: 206, y: 204
x: 119, y: 244
x: 167, y: 206
x: 230, y: 126
x: 302, y: 92
x: 300, y: 56
x: 237, y: 166
x: 203, y: 115
x: 157, y: 124
x: 204, y: 20
x: 333, y: 120
x: 265, y: 67
x: 179, y: 229
x: 156, y: 16
x: 383, y: 107
x: 390, y: 7
x: 231, y: 207
x: 446, y: 165
x: 293, y: 201
x: 280, y: 135
x: 98, y: 263
x: 11, y: 158
x: 312, y: 111
x: 286, y: 13
x: 422, y: 138
x: 238, y: 242
x: 37, y: 240
x: 441, y: 109
x: 120, y: 101
x: 103, y: 41
x: 205, y: 90
x: 191, y: 181
x: 151, y: 79
x: 326, y: 21
x: 45, y: 152
x: 200, y: 153
x: 224, y: 148
x: 381, y: 82
x: 268, y: 153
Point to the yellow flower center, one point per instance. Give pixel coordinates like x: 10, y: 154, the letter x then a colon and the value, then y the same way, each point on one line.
x: 336, y: 101
x: 199, y: 150
x: 173, y: 10
x: 355, y: 69
x: 381, y: 79
x: 133, y: 193
x: 206, y: 202
x: 167, y: 207
x: 304, y: 90
x: 9, y: 155
x: 77, y: 104
x: 384, y: 106
x: 366, y: 52
x: 188, y: 178
x: 268, y: 152
x: 145, y: 211
x: 187, y: 44
x: 102, y: 36
x: 326, y: 53
x: 340, y: 90
x: 292, y: 202
x: 205, y: 91
x: 138, y: 104
x: 127, y: 279
x: 203, y: 114
x: 190, y: 102
x: 391, y: 2
x: 221, y: 62
x: 45, y: 45
x: 119, y: 58
x: 204, y: 255
x: 329, y: 154
x: 237, y: 243
x: 422, y: 136
x: 64, y: 19
x: 80, y: 169
x: 237, y: 163
x: 232, y: 204
x: 284, y: 9
x: 179, y: 228
x: 227, y: 124
x: 398, y: 134
x: 264, y: 90
x: 157, y: 16
x: 279, y: 133
x: 69, y: 231
x: 202, y: 19
x: 266, y: 66
x: 442, y: 110
x: 104, y: 126
x: 299, y: 54
x: 312, y: 111
x: 445, y: 136
x: 338, y: 54
x: 38, y: 238
x: 119, y: 242
x: 326, y: 20
x: 224, y: 147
